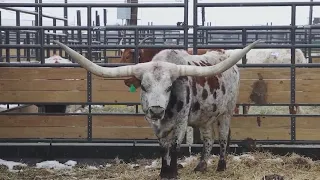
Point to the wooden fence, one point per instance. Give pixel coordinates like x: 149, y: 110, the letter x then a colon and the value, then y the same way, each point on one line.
x: 266, y: 85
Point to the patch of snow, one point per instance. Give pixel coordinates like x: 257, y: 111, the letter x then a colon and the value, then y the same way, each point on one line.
x: 71, y: 163
x: 211, y: 159
x: 108, y: 165
x: 57, y: 59
x: 276, y: 160
x: 133, y: 166
x: 247, y: 156
x: 56, y: 165
x: 243, y: 156
x: 92, y: 168
x: 11, y: 164
x: 236, y: 158
x: 79, y: 111
x: 155, y: 164
x: 4, y: 106
x: 188, y: 160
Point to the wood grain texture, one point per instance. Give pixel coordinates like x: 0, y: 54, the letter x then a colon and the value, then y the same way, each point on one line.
x: 59, y: 85
x: 16, y: 126
x: 307, y: 128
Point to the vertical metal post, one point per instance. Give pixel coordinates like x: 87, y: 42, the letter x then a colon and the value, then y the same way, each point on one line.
x: 136, y: 42
x: 203, y: 12
x: 36, y: 35
x: 89, y: 77
x: 105, y: 34
x: 18, y: 35
x: 195, y: 26
x: 65, y: 15
x: 186, y: 24
x: 310, y: 32
x: 293, y: 73
x: 7, y: 49
x: 244, y: 61
x: 1, y: 37
x: 54, y: 23
x: 48, y: 42
x: 41, y: 37
x: 244, y: 43
x: 196, y: 131
x: 28, y: 42
x: 79, y: 31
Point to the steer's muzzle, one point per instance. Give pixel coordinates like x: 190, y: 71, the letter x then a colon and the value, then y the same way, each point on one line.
x: 156, y: 112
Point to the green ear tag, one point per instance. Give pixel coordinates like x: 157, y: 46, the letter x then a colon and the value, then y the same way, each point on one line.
x: 132, y: 88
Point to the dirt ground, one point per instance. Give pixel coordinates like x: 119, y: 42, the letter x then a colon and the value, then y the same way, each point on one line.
x: 253, y: 166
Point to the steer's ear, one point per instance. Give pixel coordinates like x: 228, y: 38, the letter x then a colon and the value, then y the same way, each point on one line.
x: 133, y: 80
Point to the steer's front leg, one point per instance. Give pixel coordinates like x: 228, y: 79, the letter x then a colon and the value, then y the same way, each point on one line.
x: 169, y: 168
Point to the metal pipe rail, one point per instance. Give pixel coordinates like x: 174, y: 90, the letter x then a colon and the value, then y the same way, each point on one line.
x: 258, y: 4
x: 94, y: 5
x: 33, y: 13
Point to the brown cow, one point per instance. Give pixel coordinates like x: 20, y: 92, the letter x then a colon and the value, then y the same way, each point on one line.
x: 146, y: 55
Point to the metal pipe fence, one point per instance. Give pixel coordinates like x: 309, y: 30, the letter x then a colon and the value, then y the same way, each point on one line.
x: 43, y: 39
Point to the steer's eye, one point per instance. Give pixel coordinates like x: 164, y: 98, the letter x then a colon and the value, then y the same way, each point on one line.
x: 169, y: 88
x: 143, y: 88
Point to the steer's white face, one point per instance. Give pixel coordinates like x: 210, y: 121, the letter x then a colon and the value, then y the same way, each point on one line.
x: 156, y: 84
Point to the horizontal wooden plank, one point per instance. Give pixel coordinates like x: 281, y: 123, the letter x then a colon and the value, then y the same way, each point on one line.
x: 43, y: 121
x: 260, y: 128
x: 115, y: 84
x: 42, y: 73
x: 123, y: 132
x: 43, y: 85
x: 307, y: 85
x: 116, y: 96
x: 43, y: 96
x: 274, y: 97
x: 119, y: 120
x: 272, y: 85
x: 308, y: 73
x: 307, y: 128
x: 43, y: 132
x: 125, y: 96
x: 307, y: 97
x: 265, y: 73
x: 263, y: 128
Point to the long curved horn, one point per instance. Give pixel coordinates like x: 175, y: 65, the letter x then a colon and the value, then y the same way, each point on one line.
x: 120, y: 43
x: 121, y: 71
x: 185, y: 70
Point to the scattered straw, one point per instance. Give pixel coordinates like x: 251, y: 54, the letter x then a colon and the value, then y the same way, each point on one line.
x: 253, y: 166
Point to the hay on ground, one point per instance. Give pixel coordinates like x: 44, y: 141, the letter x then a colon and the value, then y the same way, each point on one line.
x: 253, y: 166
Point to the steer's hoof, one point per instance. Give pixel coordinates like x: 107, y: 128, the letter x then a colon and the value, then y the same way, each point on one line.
x: 222, y: 165
x: 168, y: 175
x: 201, y: 167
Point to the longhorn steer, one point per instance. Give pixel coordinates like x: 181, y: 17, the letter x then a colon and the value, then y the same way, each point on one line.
x: 177, y: 92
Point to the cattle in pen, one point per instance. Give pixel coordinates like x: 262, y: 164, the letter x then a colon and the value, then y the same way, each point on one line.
x: 146, y: 54
x: 179, y: 89
x: 271, y: 56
